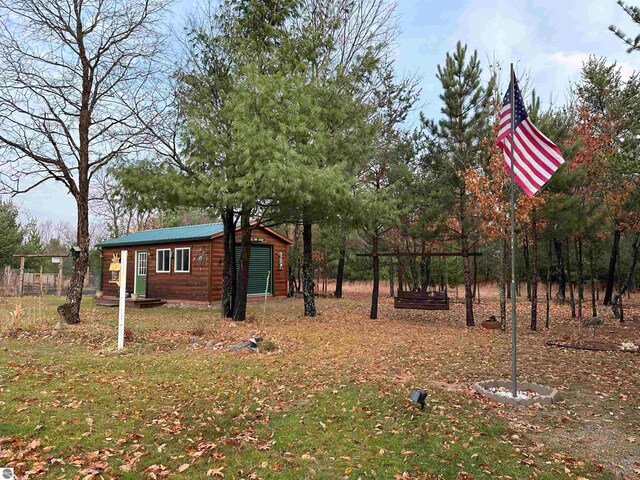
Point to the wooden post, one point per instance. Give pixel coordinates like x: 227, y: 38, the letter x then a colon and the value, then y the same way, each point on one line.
x: 59, y: 289
x: 6, y: 280
x: 21, y: 279
x: 40, y: 280
x: 100, y: 285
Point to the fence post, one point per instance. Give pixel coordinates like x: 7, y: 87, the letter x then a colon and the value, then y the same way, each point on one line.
x: 6, y: 279
x: 21, y: 279
x: 59, y: 291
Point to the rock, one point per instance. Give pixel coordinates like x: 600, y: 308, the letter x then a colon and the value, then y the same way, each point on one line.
x: 194, y: 339
x: 210, y: 344
x: 240, y: 346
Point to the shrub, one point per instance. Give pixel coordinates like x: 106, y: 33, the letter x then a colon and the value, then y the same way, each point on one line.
x: 267, y: 346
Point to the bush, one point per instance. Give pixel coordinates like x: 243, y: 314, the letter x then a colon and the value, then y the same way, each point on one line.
x: 267, y: 346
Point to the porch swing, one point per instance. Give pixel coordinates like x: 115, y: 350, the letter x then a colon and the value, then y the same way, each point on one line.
x: 415, y: 300
x: 421, y: 300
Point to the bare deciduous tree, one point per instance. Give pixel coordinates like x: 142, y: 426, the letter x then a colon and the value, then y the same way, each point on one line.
x: 116, y: 216
x: 77, y: 77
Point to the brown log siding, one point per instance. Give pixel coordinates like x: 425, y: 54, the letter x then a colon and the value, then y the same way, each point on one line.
x: 192, y: 286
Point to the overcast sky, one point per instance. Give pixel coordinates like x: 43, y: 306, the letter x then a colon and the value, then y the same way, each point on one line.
x: 548, y: 39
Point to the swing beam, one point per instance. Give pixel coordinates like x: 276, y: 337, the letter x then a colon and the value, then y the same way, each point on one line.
x: 420, y: 300
x: 413, y: 254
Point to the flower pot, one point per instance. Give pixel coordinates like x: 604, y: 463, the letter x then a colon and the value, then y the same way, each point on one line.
x: 491, y: 325
x: 134, y: 297
x: 99, y: 294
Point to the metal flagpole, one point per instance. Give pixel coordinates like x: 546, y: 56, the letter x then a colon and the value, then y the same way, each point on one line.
x: 514, y: 363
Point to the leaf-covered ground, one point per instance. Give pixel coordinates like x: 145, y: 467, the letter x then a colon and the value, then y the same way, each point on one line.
x: 330, y: 402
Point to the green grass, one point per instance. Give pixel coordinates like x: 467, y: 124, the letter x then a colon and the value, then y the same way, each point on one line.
x: 264, y: 419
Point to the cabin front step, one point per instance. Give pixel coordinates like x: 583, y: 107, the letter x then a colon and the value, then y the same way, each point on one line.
x: 129, y: 302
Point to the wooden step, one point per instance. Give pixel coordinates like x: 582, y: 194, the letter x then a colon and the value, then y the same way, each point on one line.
x: 140, y: 303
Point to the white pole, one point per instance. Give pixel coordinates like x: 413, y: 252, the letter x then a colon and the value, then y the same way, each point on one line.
x: 123, y: 294
x: 266, y: 291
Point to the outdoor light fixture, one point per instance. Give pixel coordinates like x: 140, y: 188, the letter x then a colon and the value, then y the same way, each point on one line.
x: 419, y: 396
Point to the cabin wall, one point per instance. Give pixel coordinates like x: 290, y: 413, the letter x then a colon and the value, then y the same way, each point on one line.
x: 262, y: 237
x: 195, y: 285
x: 192, y: 286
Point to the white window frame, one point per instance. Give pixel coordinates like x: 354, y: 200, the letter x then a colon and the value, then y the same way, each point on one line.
x: 146, y: 263
x: 158, y: 260
x: 175, y: 260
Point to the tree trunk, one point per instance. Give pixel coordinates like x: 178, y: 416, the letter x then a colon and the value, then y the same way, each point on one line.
x: 468, y: 292
x: 229, y: 273
x: 503, y: 286
x: 572, y: 299
x: 594, y: 311
x: 307, y: 270
x: 527, y: 265
x: 70, y: 310
x: 507, y: 277
x: 392, y: 274
x: 475, y: 275
x: 616, y: 304
x: 534, y: 271
x: 550, y: 257
x: 562, y: 279
x: 240, y: 307
x: 425, y: 273
x: 376, y: 279
x: 580, y: 278
x: 340, y: 274
x: 292, y: 282
x: 615, y: 247
x: 296, y: 249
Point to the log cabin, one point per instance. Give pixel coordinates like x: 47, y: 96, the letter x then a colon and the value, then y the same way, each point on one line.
x: 184, y: 264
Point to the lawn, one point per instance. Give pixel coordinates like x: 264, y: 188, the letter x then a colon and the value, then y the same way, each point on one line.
x: 330, y: 402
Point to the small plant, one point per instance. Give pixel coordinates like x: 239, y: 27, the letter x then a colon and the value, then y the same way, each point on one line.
x: 17, y: 314
x: 128, y: 335
x: 593, y: 322
x: 267, y: 346
x: 198, y: 328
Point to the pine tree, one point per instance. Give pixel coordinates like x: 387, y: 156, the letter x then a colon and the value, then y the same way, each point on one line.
x: 12, y: 234
x: 385, y: 173
x: 634, y: 13
x: 458, y: 142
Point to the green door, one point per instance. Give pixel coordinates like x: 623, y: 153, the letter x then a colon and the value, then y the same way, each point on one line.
x: 259, y: 268
x: 141, y: 273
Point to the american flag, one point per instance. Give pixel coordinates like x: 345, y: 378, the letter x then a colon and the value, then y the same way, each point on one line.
x: 535, y: 157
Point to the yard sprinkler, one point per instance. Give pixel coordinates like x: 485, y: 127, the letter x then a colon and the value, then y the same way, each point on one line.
x: 419, y: 396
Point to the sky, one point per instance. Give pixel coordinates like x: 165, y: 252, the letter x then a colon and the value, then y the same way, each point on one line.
x: 547, y: 40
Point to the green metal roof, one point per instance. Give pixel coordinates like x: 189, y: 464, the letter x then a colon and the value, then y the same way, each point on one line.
x: 160, y: 235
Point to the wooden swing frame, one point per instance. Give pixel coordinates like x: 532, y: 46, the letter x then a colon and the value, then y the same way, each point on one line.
x: 430, y: 300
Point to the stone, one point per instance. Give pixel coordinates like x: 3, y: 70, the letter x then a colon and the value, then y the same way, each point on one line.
x: 194, y: 339
x: 544, y: 395
x: 240, y: 346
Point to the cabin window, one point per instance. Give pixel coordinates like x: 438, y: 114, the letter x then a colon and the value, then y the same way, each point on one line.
x: 182, y: 259
x: 163, y: 260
